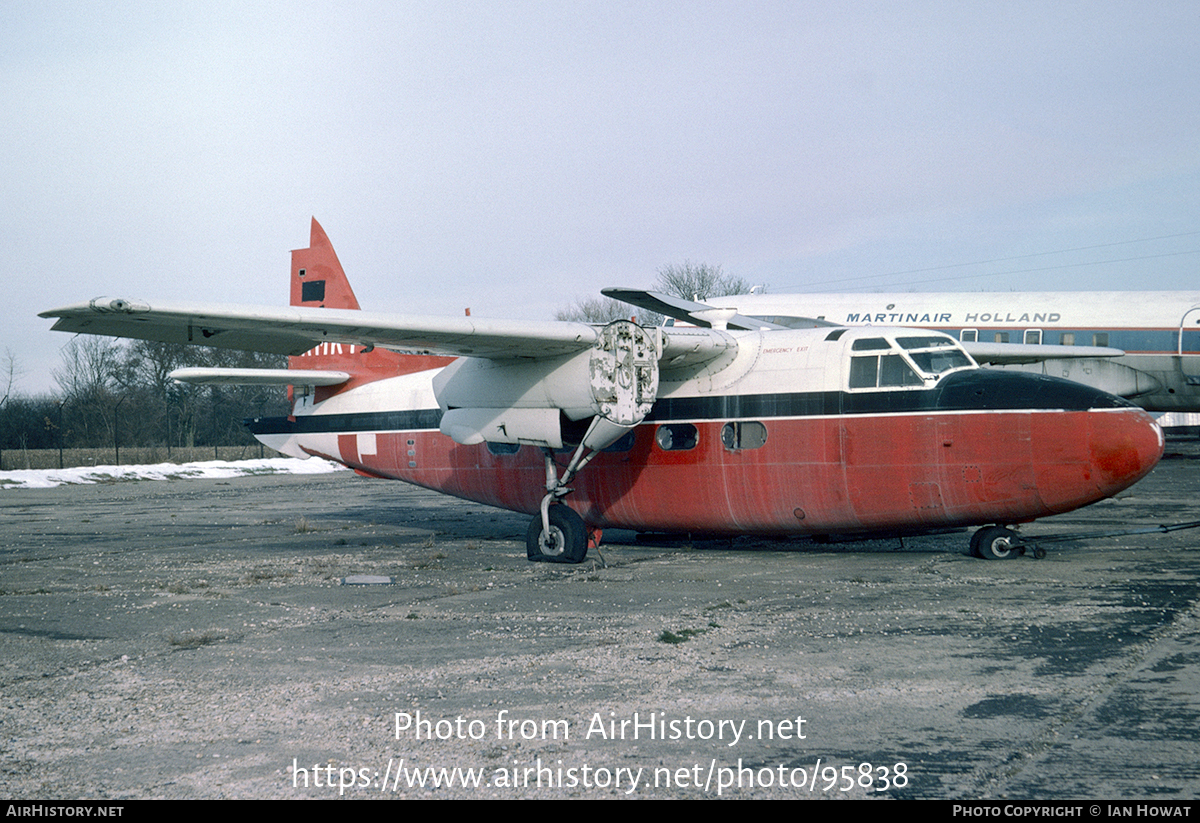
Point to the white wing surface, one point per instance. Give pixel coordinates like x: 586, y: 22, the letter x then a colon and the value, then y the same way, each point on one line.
x: 1003, y: 354
x: 295, y: 330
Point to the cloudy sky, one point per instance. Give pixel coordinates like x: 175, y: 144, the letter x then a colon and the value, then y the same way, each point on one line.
x: 516, y: 156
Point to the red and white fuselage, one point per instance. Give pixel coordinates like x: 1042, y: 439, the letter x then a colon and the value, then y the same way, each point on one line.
x: 783, y: 436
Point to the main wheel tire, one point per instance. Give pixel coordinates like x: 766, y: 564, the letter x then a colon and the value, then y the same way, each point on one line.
x: 996, y: 543
x: 566, y: 541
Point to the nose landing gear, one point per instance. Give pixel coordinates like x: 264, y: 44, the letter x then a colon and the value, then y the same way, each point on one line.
x: 1002, y: 543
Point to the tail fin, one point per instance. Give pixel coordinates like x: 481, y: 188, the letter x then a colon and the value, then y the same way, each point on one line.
x: 317, y: 276
x: 318, y: 281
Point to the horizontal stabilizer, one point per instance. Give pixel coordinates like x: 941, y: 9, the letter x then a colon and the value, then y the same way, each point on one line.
x: 259, y: 377
x: 1003, y: 354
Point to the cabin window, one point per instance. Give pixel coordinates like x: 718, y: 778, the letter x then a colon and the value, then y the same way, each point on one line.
x: 969, y: 335
x: 676, y: 437
x: 1100, y: 338
x: 1067, y: 338
x: 1033, y: 337
x: 500, y: 449
x: 743, y: 435
x: 1001, y: 337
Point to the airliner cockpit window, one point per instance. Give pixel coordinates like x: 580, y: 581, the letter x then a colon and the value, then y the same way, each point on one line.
x: 864, y: 372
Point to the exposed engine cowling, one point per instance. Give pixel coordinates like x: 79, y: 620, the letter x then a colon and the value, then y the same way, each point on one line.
x: 521, y: 401
x: 624, y: 372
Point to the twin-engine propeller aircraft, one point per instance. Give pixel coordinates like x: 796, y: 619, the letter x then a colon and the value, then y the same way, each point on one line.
x: 760, y: 430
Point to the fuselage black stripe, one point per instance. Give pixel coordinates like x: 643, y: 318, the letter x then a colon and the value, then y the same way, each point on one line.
x: 973, y: 390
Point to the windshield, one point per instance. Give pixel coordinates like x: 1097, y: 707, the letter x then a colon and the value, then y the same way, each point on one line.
x: 919, y: 359
x: 934, y: 355
x: 938, y: 362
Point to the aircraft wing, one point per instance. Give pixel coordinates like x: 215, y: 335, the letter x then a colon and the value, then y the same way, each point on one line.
x: 689, y: 311
x: 1003, y: 354
x: 295, y: 330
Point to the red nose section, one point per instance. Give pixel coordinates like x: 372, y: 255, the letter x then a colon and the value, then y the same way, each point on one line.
x: 1094, y: 455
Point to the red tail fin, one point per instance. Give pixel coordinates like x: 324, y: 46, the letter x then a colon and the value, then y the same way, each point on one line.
x: 317, y: 276
x: 318, y: 281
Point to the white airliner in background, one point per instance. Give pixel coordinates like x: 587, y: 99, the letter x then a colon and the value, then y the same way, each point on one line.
x: 1152, y: 337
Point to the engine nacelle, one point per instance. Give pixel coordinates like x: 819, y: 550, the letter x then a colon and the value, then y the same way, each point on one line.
x: 523, y: 401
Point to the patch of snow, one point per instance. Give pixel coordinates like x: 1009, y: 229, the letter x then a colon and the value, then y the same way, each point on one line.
x: 208, y: 469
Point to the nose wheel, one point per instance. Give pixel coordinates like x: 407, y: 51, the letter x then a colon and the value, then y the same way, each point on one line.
x: 994, y: 543
x: 1001, y: 543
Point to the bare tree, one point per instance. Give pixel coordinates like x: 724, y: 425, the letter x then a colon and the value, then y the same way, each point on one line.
x: 596, y: 310
x: 10, y: 371
x: 90, y: 366
x: 87, y: 379
x: 691, y: 281
x: 699, y: 281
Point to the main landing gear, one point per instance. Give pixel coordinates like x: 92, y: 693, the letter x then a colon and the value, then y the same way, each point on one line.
x: 623, y: 373
x: 1001, y: 543
x: 566, y: 541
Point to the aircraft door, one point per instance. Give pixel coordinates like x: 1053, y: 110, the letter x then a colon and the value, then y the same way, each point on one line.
x: 1194, y: 313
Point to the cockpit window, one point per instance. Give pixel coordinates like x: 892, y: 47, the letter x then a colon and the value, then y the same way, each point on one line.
x: 936, y: 362
x: 943, y: 357
x: 864, y: 372
x: 919, y: 359
x: 887, y: 371
x: 924, y: 342
x: 894, y: 371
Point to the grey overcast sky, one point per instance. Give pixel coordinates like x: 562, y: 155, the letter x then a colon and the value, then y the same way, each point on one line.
x: 515, y: 156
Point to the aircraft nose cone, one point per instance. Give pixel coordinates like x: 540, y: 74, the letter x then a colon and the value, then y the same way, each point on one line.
x: 1125, y: 444
x: 1088, y: 456
x: 1083, y: 444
